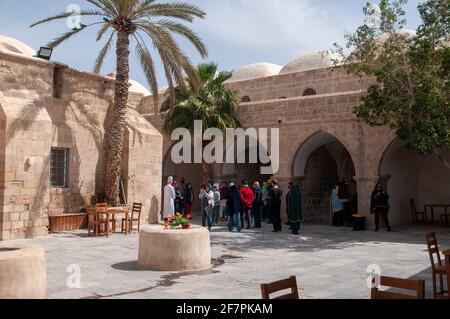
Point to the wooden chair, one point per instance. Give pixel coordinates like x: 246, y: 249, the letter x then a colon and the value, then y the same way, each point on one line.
x: 415, y: 213
x: 437, y: 266
x: 135, y: 217
x: 290, y: 283
x: 94, y: 221
x: 103, y: 208
x: 418, y: 286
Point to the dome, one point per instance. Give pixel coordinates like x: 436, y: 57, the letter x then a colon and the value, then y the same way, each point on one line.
x: 254, y: 71
x: 310, y: 61
x: 135, y: 86
x: 10, y: 45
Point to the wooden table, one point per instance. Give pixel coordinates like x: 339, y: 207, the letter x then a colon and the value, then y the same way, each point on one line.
x: 433, y: 206
x: 447, y: 267
x: 112, y: 212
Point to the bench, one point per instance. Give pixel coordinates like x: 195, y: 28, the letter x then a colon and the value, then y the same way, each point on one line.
x: 67, y: 222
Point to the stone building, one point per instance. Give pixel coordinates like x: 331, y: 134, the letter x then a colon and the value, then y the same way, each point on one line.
x: 53, y: 121
x: 321, y: 140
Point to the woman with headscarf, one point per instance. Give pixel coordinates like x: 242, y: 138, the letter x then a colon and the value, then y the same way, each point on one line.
x: 379, y: 205
x: 169, y: 199
x: 337, y: 208
x: 294, y: 209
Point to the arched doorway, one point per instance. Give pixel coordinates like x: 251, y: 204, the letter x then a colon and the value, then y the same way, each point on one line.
x: 407, y: 175
x: 191, y: 172
x: 322, y: 161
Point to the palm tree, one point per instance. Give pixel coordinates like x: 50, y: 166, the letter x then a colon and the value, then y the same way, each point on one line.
x: 139, y: 21
x: 212, y: 102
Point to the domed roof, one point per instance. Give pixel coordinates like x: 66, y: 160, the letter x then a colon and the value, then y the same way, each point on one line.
x: 310, y: 61
x: 10, y: 45
x: 254, y: 71
x: 135, y: 86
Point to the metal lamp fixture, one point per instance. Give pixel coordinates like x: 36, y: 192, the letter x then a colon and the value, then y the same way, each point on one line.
x: 45, y: 53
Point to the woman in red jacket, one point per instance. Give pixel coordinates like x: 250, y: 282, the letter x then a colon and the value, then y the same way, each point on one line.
x: 247, y: 198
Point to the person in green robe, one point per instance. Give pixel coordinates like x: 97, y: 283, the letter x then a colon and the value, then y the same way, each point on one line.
x: 294, y: 209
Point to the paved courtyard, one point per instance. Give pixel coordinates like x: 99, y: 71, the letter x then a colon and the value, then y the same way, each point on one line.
x: 328, y: 262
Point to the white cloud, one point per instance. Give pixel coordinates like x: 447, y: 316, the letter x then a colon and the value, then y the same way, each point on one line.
x: 291, y: 25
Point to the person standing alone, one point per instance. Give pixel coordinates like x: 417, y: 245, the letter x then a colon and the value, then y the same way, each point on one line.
x: 379, y: 205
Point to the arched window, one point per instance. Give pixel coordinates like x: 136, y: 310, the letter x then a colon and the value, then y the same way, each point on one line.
x: 246, y: 99
x: 309, y: 92
x: 282, y: 97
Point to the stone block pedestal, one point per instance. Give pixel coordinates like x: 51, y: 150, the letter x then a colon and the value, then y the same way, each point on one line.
x: 174, y: 250
x: 22, y: 272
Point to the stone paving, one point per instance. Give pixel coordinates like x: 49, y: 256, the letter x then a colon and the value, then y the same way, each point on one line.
x: 328, y: 262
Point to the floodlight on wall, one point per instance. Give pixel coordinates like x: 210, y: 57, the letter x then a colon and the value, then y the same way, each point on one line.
x: 45, y: 53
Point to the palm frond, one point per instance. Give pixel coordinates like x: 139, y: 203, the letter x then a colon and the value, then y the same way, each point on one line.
x: 148, y: 67
x: 66, y: 15
x: 186, y: 32
x: 103, y: 53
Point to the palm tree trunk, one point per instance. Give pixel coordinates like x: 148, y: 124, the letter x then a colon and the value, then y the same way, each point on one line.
x: 115, y: 147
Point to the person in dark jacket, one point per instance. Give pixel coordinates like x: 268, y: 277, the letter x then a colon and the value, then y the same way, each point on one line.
x: 288, y: 199
x: 294, y: 208
x: 379, y: 205
x: 189, y: 199
x: 234, y: 208
x: 178, y: 200
x: 274, y: 197
x: 257, y: 203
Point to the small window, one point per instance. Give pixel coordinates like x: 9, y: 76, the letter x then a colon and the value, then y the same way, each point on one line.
x: 309, y: 92
x: 58, y: 82
x: 246, y: 99
x: 59, y: 167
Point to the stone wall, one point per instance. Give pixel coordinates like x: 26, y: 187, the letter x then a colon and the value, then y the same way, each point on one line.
x: 323, y: 81
x: 278, y: 102
x: 33, y: 120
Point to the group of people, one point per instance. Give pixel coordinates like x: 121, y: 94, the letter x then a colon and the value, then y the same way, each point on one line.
x: 249, y: 206
x: 244, y: 206
x: 178, y: 197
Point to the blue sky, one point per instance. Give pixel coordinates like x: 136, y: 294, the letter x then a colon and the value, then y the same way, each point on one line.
x: 237, y: 32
